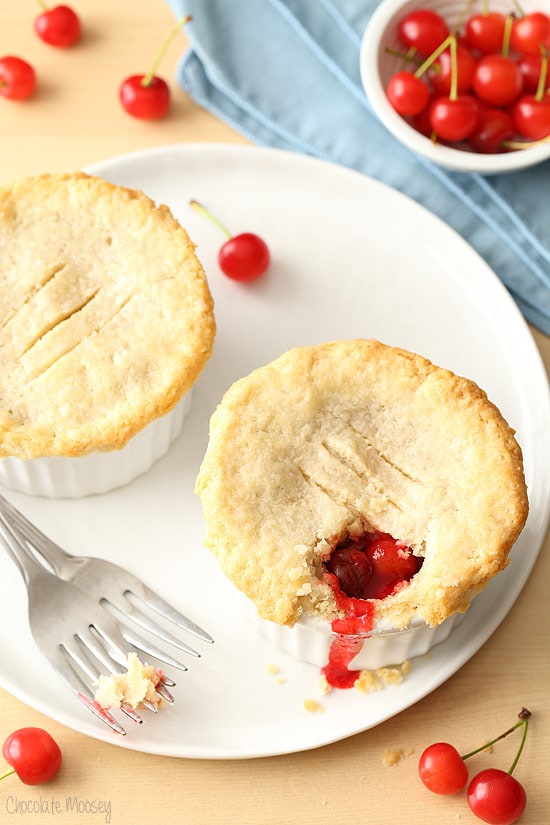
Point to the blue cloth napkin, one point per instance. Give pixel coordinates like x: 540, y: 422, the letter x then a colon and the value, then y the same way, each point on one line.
x: 285, y: 73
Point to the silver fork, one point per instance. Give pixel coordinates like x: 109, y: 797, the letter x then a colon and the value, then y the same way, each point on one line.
x: 83, y: 612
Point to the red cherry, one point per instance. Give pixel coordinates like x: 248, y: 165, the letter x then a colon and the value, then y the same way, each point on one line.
x: 485, y: 32
x: 243, y: 257
x: 532, y: 117
x: 496, y: 797
x: 17, y: 78
x: 144, y: 97
x: 353, y: 570
x: 393, y: 563
x: 58, y: 26
x: 372, y: 566
x: 529, y: 32
x: 495, y: 126
x: 147, y: 96
x: 497, y: 80
x: 33, y: 754
x: 454, y: 120
x: 442, y: 769
x: 441, y: 71
x: 530, y: 66
x: 422, y: 29
x: 407, y: 94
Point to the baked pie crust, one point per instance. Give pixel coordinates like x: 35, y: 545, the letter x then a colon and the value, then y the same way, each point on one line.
x: 332, y: 441
x: 106, y: 319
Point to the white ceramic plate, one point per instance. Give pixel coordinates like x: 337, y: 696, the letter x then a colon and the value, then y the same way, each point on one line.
x: 351, y: 258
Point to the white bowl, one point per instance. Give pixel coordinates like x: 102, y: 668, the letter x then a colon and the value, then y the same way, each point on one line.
x: 99, y: 472
x: 310, y: 640
x: 377, y: 67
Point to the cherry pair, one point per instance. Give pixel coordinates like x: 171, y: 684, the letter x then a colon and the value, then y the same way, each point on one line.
x: 494, y: 796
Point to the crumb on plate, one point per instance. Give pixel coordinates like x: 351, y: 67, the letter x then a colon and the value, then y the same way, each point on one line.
x: 313, y: 706
x: 371, y: 680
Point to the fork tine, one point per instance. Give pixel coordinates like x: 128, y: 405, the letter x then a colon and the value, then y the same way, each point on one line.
x: 104, y: 636
x: 83, y: 657
x: 145, y: 646
x: 101, y: 713
x: 163, y: 691
x: 64, y: 666
x: 151, y: 599
x: 147, y: 624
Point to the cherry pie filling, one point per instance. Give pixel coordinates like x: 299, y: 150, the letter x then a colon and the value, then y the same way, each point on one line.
x: 360, y: 569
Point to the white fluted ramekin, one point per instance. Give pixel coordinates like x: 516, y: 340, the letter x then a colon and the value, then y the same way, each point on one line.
x: 310, y: 640
x: 99, y: 472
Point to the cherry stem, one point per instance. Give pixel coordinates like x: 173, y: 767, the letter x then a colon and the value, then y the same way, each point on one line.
x: 506, y: 36
x: 517, y: 144
x: 453, y: 91
x: 523, y: 717
x: 525, y: 723
x: 198, y: 207
x: 519, y: 8
x: 541, y: 87
x: 407, y: 57
x: 42, y: 5
x: 148, y: 79
x: 7, y: 773
x: 434, y: 55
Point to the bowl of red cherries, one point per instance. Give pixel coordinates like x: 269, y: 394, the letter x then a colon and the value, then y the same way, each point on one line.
x: 463, y: 83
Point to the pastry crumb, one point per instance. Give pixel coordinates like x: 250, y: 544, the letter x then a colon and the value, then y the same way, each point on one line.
x: 367, y: 682
x: 275, y: 671
x: 371, y: 680
x: 132, y: 688
x: 390, y: 675
x: 313, y: 706
x: 393, y: 756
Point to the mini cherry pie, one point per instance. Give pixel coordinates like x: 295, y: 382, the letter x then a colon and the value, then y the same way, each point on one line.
x: 361, y: 485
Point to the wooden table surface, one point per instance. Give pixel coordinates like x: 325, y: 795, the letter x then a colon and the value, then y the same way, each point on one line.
x: 75, y: 120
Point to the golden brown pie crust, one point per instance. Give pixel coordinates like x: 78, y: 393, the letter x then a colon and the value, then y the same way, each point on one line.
x: 106, y: 319
x: 331, y: 440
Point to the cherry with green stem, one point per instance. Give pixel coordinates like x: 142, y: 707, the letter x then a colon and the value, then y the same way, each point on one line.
x: 455, y: 116
x: 529, y: 31
x: 495, y: 796
x: 147, y: 96
x: 531, y: 113
x: 497, y: 79
x: 244, y: 257
x: 33, y: 755
x: 58, y: 25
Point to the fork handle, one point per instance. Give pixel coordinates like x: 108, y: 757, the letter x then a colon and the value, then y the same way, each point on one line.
x: 58, y: 559
x: 24, y: 561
